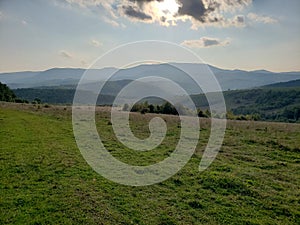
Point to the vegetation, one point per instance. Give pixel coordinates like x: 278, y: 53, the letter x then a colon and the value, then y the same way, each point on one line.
x: 57, y: 96
x: 255, y: 178
x: 271, y: 104
x: 169, y: 109
x: 292, y: 83
x: 165, y: 108
x: 54, y: 96
x: 6, y: 94
x: 267, y: 104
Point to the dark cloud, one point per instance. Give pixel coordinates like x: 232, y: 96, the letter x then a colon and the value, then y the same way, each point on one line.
x: 136, y: 13
x: 240, y: 19
x: 201, y: 12
x: 205, y: 42
x: 210, y: 42
x: 196, y: 9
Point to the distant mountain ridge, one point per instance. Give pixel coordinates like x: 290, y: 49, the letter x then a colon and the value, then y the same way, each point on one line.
x: 69, y: 78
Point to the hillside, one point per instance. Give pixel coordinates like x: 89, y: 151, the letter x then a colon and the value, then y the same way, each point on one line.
x: 293, y: 83
x: 45, y: 180
x: 272, y: 104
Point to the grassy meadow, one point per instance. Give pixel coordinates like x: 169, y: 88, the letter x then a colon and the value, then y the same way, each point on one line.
x: 255, y: 178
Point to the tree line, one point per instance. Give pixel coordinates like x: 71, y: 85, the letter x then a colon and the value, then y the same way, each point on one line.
x: 169, y: 109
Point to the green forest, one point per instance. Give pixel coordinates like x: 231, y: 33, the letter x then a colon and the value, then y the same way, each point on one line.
x: 267, y: 104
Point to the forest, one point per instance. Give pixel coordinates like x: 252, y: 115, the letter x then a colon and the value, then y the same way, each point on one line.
x: 265, y: 104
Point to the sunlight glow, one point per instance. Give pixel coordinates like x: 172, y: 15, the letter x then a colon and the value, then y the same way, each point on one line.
x: 168, y: 7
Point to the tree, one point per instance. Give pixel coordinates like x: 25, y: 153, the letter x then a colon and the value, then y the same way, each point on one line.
x: 151, y: 108
x: 6, y: 94
x: 167, y: 108
x: 201, y: 114
x: 37, y: 101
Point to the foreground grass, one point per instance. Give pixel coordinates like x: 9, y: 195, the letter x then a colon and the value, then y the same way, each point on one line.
x: 44, y: 179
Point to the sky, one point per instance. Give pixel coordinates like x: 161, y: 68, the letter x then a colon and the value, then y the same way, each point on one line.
x: 231, y: 34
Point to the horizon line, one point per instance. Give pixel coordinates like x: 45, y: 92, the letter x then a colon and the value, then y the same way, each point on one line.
x: 142, y: 64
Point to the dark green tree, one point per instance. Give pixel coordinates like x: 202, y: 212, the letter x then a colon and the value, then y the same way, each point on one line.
x: 6, y: 94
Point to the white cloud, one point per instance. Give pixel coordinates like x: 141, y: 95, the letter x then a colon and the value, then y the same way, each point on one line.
x: 205, y: 42
x: 261, y: 19
x: 95, y: 43
x: 65, y: 54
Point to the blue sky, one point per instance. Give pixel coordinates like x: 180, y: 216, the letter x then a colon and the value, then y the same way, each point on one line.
x: 231, y: 34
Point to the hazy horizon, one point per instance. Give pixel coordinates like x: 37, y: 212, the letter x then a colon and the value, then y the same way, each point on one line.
x: 82, y: 68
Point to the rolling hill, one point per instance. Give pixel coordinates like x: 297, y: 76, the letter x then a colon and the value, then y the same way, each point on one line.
x: 289, y: 84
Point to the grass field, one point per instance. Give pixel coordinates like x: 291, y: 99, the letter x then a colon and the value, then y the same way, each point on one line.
x: 45, y: 180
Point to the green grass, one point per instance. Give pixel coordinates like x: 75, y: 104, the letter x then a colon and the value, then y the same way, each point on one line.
x: 45, y: 180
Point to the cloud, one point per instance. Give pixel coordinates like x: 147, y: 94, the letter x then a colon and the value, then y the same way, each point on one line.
x: 95, y: 43
x: 239, y: 21
x: 135, y: 13
x: 169, y: 12
x: 204, y: 42
x: 65, y: 54
x: 261, y: 19
x: 213, y: 12
x: 196, y: 9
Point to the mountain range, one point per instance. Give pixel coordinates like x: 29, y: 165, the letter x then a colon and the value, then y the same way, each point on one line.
x: 68, y: 78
